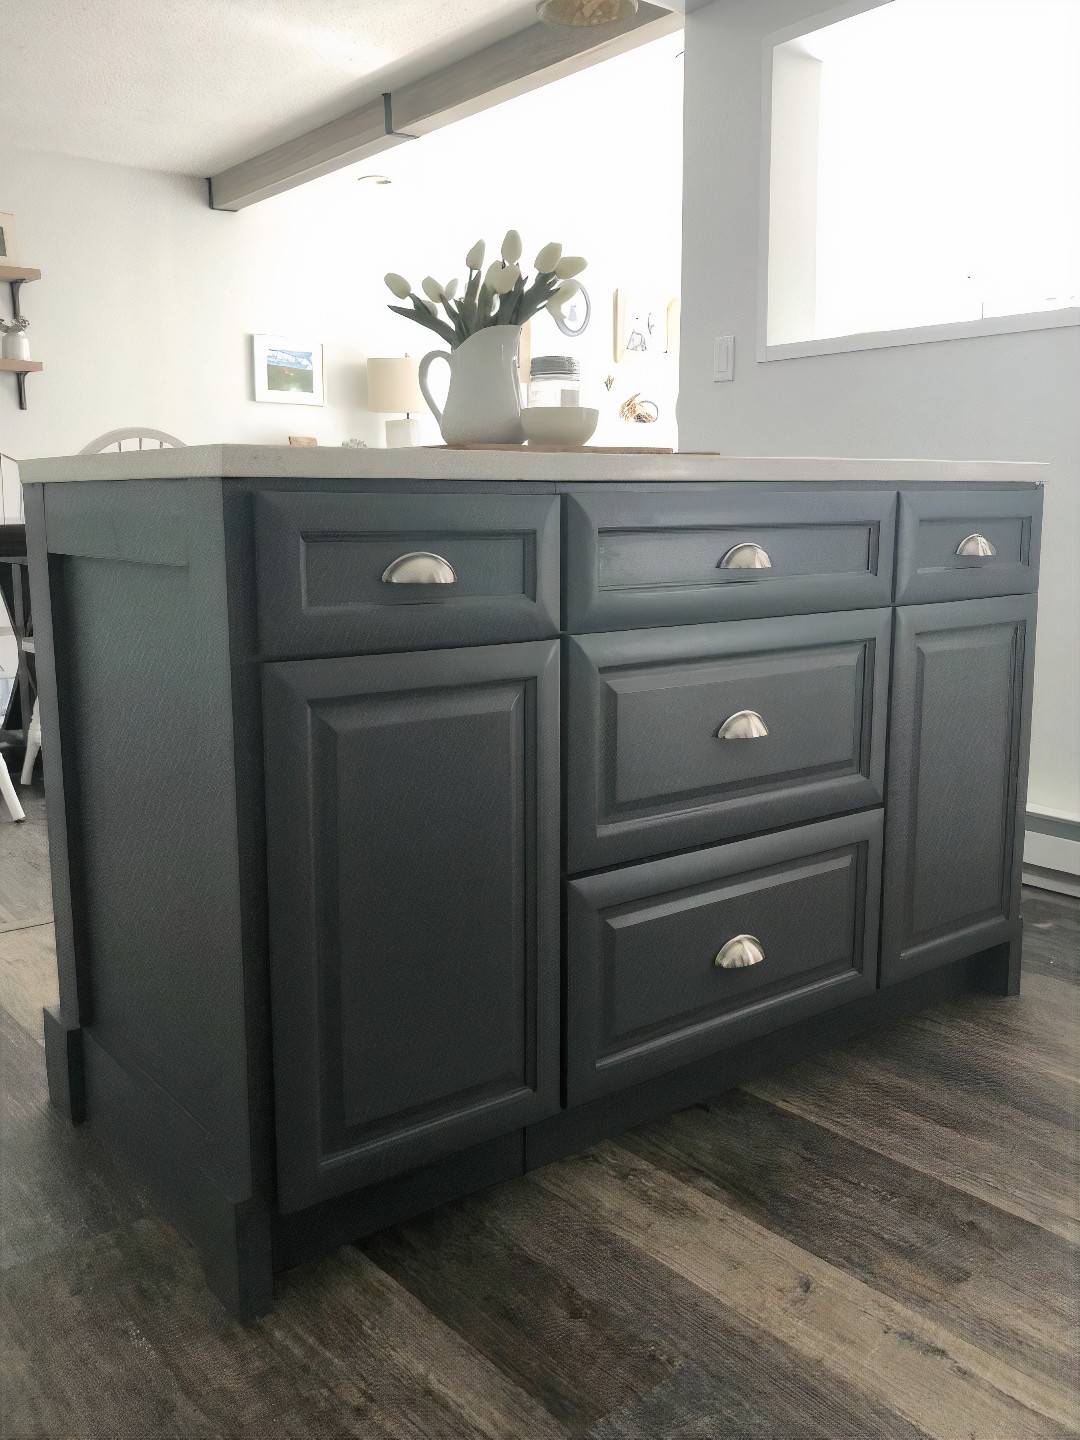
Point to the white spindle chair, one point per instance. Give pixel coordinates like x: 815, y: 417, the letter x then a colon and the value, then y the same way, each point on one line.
x: 136, y: 439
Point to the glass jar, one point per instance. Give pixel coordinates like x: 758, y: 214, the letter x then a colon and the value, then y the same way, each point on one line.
x: 554, y: 380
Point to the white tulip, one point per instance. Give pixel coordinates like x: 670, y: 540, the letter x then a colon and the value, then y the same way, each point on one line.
x: 494, y: 270
x: 475, y: 258
x: 432, y: 289
x: 511, y: 247
x: 450, y: 289
x: 570, y: 265
x: 398, y: 285
x: 566, y: 291
x: 548, y: 258
x: 506, y: 280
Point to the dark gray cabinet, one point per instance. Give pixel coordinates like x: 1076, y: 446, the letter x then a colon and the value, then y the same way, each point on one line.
x: 468, y: 823
x: 650, y: 985
x: 675, y: 555
x: 412, y: 831
x: 960, y: 545
x: 957, y: 766
x: 660, y: 754
x: 333, y: 571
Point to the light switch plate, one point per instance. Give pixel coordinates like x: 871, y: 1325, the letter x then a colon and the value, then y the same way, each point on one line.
x: 723, y: 364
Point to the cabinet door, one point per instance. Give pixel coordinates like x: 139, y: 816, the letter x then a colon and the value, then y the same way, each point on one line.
x: 960, y: 714
x: 412, y: 818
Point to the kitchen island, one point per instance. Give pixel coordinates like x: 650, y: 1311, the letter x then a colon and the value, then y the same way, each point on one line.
x: 417, y: 817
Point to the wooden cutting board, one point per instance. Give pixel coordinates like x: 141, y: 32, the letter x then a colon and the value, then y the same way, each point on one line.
x: 568, y: 449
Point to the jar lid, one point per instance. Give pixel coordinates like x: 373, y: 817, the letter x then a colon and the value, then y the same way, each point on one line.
x: 564, y: 366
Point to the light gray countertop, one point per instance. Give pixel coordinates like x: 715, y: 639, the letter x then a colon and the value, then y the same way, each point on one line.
x: 269, y: 462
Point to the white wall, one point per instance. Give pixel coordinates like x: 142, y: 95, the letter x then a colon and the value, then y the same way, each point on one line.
x: 997, y: 397
x: 148, y: 298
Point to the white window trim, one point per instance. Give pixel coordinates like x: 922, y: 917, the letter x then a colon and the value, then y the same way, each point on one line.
x: 871, y: 339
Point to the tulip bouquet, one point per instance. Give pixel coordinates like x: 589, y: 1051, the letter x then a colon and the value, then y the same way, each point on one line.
x: 501, y: 295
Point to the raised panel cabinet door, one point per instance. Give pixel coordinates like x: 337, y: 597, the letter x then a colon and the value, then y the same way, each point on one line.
x: 413, y: 853
x: 960, y: 719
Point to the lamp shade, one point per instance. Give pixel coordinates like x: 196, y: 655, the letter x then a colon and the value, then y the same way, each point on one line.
x: 393, y: 387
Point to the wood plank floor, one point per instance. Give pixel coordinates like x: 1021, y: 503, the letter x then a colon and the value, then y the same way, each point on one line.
x: 877, y: 1244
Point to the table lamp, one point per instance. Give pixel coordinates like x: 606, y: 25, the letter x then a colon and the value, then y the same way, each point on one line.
x: 393, y: 389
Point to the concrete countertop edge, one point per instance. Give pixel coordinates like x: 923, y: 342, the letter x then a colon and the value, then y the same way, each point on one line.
x: 270, y: 462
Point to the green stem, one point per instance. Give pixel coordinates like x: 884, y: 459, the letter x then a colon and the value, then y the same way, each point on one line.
x: 423, y: 316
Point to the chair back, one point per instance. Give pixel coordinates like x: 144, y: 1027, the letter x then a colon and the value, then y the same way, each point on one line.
x: 141, y: 438
x: 11, y: 502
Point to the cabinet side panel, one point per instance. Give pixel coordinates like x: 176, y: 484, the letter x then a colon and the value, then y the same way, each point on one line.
x: 140, y: 630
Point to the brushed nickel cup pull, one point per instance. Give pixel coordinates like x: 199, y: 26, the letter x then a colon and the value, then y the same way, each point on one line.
x: 743, y: 725
x: 745, y: 556
x: 419, y: 567
x: 976, y: 545
x: 740, y: 951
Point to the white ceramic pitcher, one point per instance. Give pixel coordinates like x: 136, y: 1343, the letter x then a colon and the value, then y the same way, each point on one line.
x: 484, y: 403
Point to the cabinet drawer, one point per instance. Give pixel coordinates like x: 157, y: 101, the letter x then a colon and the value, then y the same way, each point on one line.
x: 648, y: 769
x: 665, y: 556
x: 648, y: 984
x: 333, y: 575
x: 999, y: 530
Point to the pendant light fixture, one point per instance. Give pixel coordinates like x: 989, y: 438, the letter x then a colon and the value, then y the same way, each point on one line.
x: 586, y: 12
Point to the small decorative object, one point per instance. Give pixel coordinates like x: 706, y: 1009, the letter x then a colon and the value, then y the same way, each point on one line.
x: 394, y: 389
x: 641, y: 324
x: 303, y: 440
x: 554, y: 380
x: 7, y: 238
x: 16, y: 343
x: 287, y: 370
x: 645, y: 412
x: 482, y: 326
x: 586, y: 12
x: 564, y: 426
x: 354, y: 444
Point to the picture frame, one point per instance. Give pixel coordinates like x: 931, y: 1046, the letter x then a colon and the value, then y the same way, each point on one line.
x: 287, y: 370
x: 642, y: 324
x: 8, y: 252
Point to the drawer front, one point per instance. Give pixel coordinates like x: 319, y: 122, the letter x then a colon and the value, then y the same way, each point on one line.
x: 334, y: 574
x: 659, y: 759
x: 998, y: 531
x: 665, y: 557
x: 650, y: 946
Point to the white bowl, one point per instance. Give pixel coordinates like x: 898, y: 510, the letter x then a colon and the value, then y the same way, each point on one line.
x: 569, y: 425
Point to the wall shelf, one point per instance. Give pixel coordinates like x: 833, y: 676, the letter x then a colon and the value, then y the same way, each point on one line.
x: 21, y: 273
x: 16, y: 276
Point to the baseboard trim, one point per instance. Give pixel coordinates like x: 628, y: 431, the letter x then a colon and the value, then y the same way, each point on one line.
x: 1059, y: 881
x: 1052, y: 851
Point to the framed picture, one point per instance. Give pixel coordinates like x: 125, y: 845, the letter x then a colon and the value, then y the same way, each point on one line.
x: 7, y: 238
x: 287, y: 369
x: 641, y: 324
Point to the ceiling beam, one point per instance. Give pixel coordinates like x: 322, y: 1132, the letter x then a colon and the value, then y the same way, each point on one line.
x: 329, y: 147
x: 525, y: 61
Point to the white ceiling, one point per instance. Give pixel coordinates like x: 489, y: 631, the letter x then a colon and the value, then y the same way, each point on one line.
x: 195, y: 85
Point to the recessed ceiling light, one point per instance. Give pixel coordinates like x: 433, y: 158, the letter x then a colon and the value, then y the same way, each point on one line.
x: 586, y: 12
x: 376, y: 179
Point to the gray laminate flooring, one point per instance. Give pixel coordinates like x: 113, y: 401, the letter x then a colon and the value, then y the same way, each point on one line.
x: 878, y: 1243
